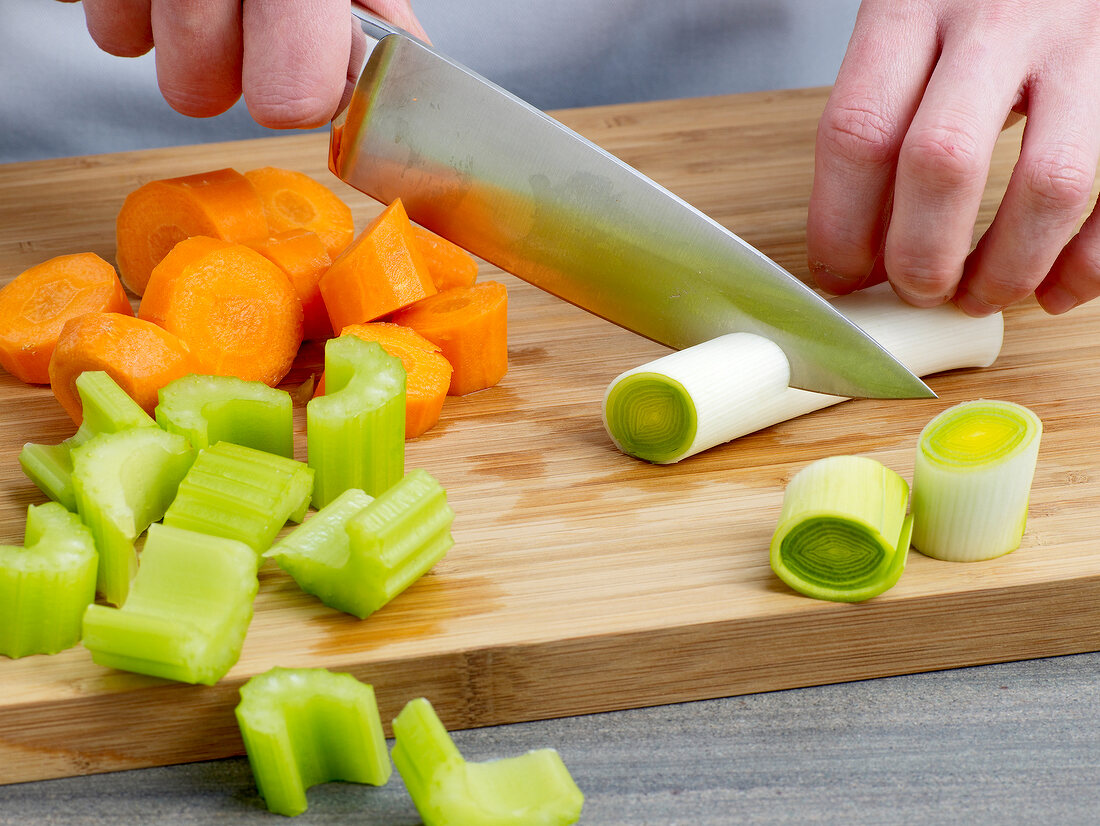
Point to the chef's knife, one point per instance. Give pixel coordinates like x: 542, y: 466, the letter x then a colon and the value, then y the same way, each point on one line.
x: 477, y: 165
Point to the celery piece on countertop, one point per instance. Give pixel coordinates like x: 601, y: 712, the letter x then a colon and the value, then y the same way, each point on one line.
x: 46, y: 585
x: 532, y: 789
x: 355, y: 433
x: 123, y: 482
x: 107, y: 409
x: 843, y: 534
x: 356, y: 554
x: 306, y: 726
x: 187, y: 613
x: 241, y: 493
x: 212, y: 409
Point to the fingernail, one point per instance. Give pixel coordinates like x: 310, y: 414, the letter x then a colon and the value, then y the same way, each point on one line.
x: 975, y: 307
x: 833, y: 282
x: 1058, y: 300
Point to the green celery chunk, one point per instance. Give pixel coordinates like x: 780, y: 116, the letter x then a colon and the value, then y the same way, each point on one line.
x: 187, y: 613
x: 241, y: 493
x: 46, y: 585
x: 358, y: 553
x: 212, y: 409
x: 123, y: 482
x: 356, y: 431
x: 107, y: 409
x: 533, y: 789
x: 306, y: 726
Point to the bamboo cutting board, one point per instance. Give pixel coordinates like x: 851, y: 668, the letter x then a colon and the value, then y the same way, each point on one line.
x: 581, y: 579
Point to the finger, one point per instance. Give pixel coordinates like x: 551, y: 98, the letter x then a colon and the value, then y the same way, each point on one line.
x: 1075, y: 276
x: 1048, y: 192
x: 942, y: 170
x: 888, y: 61
x: 120, y: 27
x: 198, y: 54
x: 398, y: 12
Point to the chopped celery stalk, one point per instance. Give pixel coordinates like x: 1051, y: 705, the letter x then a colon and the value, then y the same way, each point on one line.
x: 306, y: 726
x: 356, y: 431
x: 241, y: 493
x: 720, y: 390
x: 972, y: 480
x: 843, y: 534
x: 107, y: 409
x: 212, y: 409
x: 123, y: 482
x: 533, y: 789
x: 187, y: 613
x: 46, y: 585
x: 356, y: 554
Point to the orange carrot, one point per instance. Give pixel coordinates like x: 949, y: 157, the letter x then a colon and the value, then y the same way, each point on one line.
x: 380, y: 272
x: 237, y: 311
x: 449, y: 265
x: 470, y: 325
x: 293, y: 200
x: 35, y: 305
x: 301, y: 255
x: 427, y: 373
x: 140, y: 356
x: 159, y: 214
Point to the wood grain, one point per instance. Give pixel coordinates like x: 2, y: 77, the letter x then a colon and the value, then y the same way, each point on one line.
x: 582, y: 580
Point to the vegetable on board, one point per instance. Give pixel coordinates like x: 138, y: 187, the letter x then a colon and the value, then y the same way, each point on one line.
x: 293, y: 200
x: 188, y: 611
x: 300, y: 254
x: 35, y: 305
x: 972, y: 480
x: 236, y: 310
x: 358, y: 553
x: 156, y: 216
x: 448, y: 264
x: 843, y: 533
x: 46, y: 585
x: 306, y: 726
x: 470, y: 326
x: 532, y: 789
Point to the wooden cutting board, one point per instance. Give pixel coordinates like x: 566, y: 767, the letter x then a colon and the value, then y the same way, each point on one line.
x: 582, y: 580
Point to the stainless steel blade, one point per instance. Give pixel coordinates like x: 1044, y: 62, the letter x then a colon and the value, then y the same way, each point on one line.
x: 517, y: 188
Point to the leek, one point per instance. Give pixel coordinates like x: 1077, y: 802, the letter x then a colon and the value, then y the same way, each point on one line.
x: 187, y: 613
x: 212, y: 409
x: 533, y: 789
x: 355, y: 433
x: 358, y: 553
x: 46, y: 585
x: 305, y: 726
x: 843, y: 534
x: 703, y: 396
x: 972, y: 480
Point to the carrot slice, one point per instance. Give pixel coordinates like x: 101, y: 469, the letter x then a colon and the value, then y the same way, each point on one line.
x: 448, y: 264
x: 427, y: 372
x: 294, y: 200
x: 237, y: 311
x: 140, y: 356
x: 35, y: 305
x: 380, y: 272
x: 158, y: 215
x: 470, y: 325
x: 303, y: 257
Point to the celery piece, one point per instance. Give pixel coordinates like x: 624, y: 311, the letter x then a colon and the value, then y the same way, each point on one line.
x: 46, y: 585
x: 107, y: 409
x: 187, y: 613
x: 356, y: 431
x: 306, y: 726
x: 533, y: 789
x: 212, y: 409
x: 123, y: 482
x: 241, y: 493
x: 356, y: 554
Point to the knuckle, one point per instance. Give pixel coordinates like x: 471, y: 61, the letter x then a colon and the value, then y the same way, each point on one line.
x: 944, y: 155
x: 921, y: 276
x: 1058, y: 181
x: 857, y: 130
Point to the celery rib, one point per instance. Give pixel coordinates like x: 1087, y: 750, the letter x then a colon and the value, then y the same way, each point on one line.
x: 306, y: 726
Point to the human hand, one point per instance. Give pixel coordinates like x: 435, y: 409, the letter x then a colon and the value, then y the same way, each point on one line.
x: 289, y: 59
x: 905, y: 142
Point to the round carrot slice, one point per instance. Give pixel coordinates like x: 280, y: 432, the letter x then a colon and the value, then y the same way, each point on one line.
x: 294, y: 200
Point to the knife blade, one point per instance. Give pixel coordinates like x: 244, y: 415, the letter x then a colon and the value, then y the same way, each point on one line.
x: 493, y: 174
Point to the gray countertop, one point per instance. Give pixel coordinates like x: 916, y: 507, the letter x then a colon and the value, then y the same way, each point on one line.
x: 1007, y: 743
